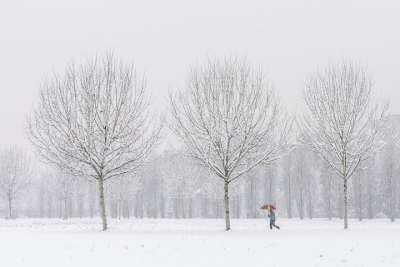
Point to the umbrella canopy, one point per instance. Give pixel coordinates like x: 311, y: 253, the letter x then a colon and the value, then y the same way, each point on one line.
x: 267, y: 206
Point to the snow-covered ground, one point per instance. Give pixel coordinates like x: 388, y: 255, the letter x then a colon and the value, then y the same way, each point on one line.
x: 147, y: 242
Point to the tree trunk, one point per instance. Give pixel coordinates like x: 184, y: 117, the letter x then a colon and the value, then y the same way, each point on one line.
x: 190, y: 214
x: 128, y: 209
x: 70, y: 208
x: 10, y: 208
x: 102, y: 204
x: 41, y: 200
x: 330, y: 199
x: 340, y: 201
x: 80, y: 206
x: 204, y: 206
x: 310, y: 206
x: 329, y: 209
x: 91, y: 200
x: 301, y: 205
x: 393, y: 195
x: 226, y: 202
x: 346, y: 225
x: 65, y: 214
x: 289, y: 199
x: 49, y: 207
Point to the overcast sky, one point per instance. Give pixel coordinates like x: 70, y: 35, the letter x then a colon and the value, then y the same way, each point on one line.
x: 289, y: 39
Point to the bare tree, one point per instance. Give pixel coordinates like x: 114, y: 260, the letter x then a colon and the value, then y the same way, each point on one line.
x: 300, y: 179
x: 94, y: 122
x: 288, y: 183
x: 15, y: 172
x: 328, y: 188
x: 372, y: 179
x: 230, y: 120
x: 358, y: 187
x: 342, y: 123
x: 121, y: 193
x: 62, y: 186
x: 181, y: 183
x: 390, y: 181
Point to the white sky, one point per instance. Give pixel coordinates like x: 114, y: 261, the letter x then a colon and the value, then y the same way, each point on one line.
x: 289, y: 39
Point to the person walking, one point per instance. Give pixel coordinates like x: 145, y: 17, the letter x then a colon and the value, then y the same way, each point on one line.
x: 272, y: 217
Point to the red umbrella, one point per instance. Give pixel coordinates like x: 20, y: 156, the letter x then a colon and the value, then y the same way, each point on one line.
x: 267, y: 206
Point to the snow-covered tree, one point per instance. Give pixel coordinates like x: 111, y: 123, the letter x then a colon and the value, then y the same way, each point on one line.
x: 342, y: 122
x: 390, y: 174
x: 288, y: 183
x: 121, y: 194
x: 230, y: 120
x: 327, y: 182
x: 15, y: 176
x: 358, y: 190
x: 94, y: 122
x: 63, y: 186
x: 182, y: 183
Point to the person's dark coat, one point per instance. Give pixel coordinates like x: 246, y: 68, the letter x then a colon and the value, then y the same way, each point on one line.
x: 271, y: 215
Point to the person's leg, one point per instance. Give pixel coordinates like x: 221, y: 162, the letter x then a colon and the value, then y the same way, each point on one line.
x: 270, y: 224
x: 276, y: 226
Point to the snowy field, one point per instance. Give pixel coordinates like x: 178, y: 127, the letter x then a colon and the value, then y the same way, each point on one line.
x: 140, y: 243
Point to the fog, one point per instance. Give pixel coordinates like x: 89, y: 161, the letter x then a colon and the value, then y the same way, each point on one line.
x: 289, y: 40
